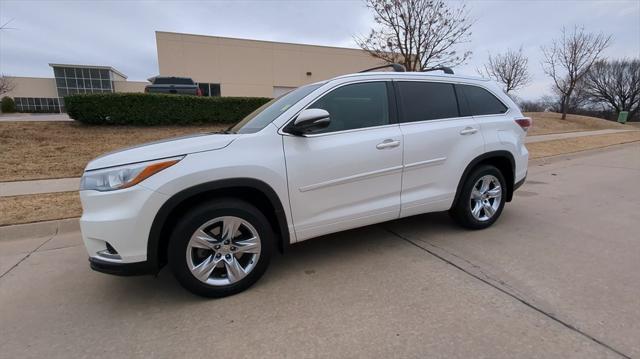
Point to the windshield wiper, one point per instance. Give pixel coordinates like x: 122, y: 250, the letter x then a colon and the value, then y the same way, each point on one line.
x: 224, y: 132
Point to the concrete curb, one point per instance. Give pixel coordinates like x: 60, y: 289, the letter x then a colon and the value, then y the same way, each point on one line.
x: 39, y: 229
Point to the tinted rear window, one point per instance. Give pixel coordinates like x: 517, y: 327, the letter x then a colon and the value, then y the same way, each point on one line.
x: 172, y: 81
x: 427, y: 101
x: 478, y: 101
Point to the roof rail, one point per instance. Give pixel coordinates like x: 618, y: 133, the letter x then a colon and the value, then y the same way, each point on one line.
x: 396, y: 68
x: 446, y: 70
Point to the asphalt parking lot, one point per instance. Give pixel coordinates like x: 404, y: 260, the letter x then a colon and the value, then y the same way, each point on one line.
x: 557, y: 276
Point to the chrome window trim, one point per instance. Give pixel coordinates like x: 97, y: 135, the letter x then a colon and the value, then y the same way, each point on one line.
x: 454, y: 118
x: 347, y: 131
x: 435, y: 120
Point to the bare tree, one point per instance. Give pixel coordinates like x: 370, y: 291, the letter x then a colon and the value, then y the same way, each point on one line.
x: 570, y: 57
x: 616, y: 84
x: 511, y: 69
x: 420, y: 34
x: 6, y: 85
x: 579, y: 99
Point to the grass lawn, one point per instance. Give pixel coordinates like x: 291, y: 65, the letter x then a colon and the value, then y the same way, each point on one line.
x: 545, y: 123
x: 39, y: 207
x: 37, y: 150
x: 571, y: 145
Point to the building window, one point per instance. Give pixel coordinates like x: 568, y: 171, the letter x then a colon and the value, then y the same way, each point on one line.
x: 215, y: 90
x: 209, y: 89
x: 74, y: 80
x: 36, y: 104
x: 204, y: 88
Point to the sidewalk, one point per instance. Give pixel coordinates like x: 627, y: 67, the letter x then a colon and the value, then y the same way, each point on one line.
x: 562, y: 136
x: 20, y: 188
x: 34, y: 117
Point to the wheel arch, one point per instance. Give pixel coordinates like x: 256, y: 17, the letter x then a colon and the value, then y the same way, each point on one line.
x: 503, y: 160
x: 254, y: 191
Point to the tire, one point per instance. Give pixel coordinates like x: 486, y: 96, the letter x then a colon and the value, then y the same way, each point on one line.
x: 488, y: 205
x: 231, y: 252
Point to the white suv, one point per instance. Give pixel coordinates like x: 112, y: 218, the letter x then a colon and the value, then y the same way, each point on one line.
x: 349, y: 152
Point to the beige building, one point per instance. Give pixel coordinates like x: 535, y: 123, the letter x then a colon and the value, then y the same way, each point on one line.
x: 239, y: 67
x: 221, y: 66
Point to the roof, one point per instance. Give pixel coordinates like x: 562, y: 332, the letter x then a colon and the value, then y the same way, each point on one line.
x: 91, y: 67
x: 152, y: 78
x: 413, y: 74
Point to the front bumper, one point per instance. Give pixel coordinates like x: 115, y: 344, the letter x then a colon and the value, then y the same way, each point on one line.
x: 115, y: 225
x: 121, y: 269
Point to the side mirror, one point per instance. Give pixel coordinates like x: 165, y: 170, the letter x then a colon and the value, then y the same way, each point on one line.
x: 310, y: 120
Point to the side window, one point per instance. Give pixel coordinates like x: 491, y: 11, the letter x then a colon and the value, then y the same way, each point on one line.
x: 355, y: 106
x: 427, y: 101
x: 479, y: 101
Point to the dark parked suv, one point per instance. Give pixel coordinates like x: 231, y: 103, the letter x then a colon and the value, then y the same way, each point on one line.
x: 173, y: 85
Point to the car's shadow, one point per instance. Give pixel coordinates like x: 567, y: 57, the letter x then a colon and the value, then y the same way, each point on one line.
x: 300, y: 257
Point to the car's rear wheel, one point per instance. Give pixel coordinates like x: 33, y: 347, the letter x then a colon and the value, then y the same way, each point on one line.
x: 481, y: 198
x: 220, y: 248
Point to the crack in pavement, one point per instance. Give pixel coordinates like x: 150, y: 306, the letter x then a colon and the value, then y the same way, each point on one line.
x: 486, y: 275
x: 492, y: 282
x: 30, y: 253
x: 58, y: 248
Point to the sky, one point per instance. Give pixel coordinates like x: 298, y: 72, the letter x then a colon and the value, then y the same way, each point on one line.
x: 122, y: 33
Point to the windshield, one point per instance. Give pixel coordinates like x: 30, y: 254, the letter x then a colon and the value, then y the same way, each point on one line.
x: 265, y: 114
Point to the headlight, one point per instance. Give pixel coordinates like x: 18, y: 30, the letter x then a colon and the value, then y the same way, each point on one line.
x: 120, y: 177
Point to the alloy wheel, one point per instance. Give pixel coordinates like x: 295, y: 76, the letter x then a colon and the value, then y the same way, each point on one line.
x: 486, y: 197
x: 223, y: 251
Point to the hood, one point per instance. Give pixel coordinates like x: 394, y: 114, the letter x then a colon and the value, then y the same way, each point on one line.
x: 162, y: 149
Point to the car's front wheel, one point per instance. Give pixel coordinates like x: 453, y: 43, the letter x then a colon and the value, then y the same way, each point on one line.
x: 220, y: 248
x: 481, y: 198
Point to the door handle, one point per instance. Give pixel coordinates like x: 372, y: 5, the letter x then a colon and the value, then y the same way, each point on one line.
x: 468, y: 131
x: 388, y: 143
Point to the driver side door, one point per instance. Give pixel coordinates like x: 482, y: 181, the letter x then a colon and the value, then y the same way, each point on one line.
x: 349, y: 174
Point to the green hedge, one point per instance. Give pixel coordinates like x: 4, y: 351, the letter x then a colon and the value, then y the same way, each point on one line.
x: 158, y: 109
x: 7, y: 105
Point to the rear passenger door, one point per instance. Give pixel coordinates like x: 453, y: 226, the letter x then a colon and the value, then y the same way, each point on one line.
x: 438, y: 144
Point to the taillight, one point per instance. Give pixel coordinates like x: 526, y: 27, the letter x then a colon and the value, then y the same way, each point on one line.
x: 525, y: 123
